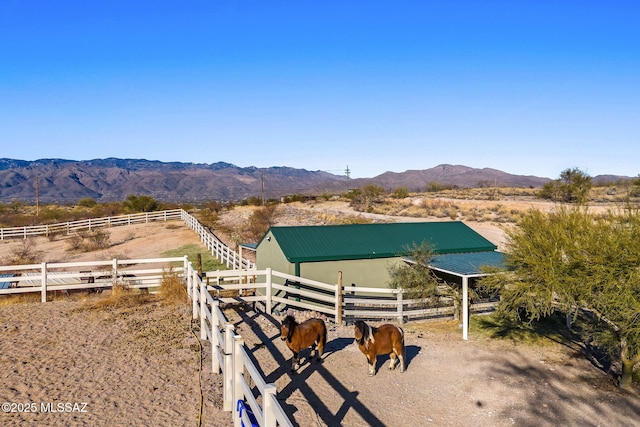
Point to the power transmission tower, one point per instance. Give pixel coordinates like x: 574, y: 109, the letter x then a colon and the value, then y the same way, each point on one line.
x: 347, y: 172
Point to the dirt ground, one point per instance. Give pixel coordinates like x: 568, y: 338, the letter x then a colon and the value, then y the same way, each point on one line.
x: 448, y: 381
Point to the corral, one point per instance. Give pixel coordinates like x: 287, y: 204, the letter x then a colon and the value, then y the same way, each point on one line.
x: 448, y: 381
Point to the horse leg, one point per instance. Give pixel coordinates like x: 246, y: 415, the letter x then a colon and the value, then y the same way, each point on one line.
x: 372, y: 365
x: 319, y: 350
x: 294, y: 361
x: 401, y: 357
x: 392, y: 360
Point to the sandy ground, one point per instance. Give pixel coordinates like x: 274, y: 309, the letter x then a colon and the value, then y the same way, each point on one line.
x: 448, y: 381
x: 141, y: 366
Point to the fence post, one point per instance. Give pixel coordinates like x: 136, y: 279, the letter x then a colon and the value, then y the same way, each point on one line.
x: 203, y: 311
x: 44, y: 282
x: 238, y: 375
x: 215, y: 343
x: 114, y: 272
x: 400, y: 306
x: 339, y: 299
x: 268, y: 303
x: 268, y: 401
x: 227, y: 373
x: 186, y: 273
x: 194, y: 292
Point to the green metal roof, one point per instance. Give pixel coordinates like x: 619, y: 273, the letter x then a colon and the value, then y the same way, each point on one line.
x: 358, y: 241
x: 467, y: 264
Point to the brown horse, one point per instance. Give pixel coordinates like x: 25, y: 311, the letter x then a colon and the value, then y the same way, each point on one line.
x: 385, y: 339
x: 310, y: 333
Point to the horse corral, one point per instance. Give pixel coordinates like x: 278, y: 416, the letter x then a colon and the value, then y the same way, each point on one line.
x: 448, y: 382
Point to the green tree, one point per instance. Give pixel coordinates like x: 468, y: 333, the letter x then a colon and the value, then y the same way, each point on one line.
x: 400, y: 193
x: 87, y: 202
x: 577, y: 263
x: 143, y: 203
x: 573, y: 186
x: 415, y: 278
x: 368, y: 195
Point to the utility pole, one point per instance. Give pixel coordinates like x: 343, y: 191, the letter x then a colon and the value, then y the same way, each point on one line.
x: 37, y: 198
x: 262, y: 182
x: 347, y: 172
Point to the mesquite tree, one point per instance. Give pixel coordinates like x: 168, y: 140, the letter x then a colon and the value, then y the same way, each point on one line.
x: 576, y: 262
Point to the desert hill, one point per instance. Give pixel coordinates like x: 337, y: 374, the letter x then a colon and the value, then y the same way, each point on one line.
x: 112, y: 179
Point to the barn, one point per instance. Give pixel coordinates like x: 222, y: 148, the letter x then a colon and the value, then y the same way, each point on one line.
x: 362, y: 252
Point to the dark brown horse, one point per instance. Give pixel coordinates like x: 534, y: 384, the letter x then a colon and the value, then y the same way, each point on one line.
x: 385, y: 339
x: 310, y: 333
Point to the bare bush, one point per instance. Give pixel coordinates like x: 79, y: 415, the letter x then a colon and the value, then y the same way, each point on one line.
x: 25, y: 253
x: 90, y: 240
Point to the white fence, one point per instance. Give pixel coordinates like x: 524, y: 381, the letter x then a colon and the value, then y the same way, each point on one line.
x: 88, y: 224
x: 95, y: 275
x: 222, y: 252
x: 228, y: 353
x: 333, y: 300
x: 229, y: 356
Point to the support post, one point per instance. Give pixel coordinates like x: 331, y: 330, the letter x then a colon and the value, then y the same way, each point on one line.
x: 339, y: 299
x: 194, y: 293
x: 227, y: 373
x: 114, y: 272
x: 215, y: 343
x: 465, y: 308
x: 203, y: 310
x: 186, y: 274
x: 268, y: 401
x: 238, y: 375
x: 268, y: 303
x: 43, y: 282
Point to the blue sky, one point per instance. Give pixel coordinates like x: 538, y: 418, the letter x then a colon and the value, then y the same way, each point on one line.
x: 527, y: 87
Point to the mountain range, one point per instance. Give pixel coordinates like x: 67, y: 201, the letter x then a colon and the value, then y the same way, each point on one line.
x: 112, y: 179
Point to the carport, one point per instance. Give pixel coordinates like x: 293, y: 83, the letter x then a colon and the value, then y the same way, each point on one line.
x: 465, y: 266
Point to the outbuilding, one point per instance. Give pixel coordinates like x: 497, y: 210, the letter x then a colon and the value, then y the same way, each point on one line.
x: 362, y: 252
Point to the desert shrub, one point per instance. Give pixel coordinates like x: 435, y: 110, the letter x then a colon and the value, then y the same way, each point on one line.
x: 25, y: 253
x: 208, y: 217
x: 87, y: 202
x: 135, y: 204
x: 172, y: 289
x: 85, y: 240
x: 260, y: 221
x: 74, y: 243
x: 98, y: 239
x: 400, y: 193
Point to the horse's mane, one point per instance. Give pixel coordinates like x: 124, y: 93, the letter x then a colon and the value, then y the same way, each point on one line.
x: 367, y: 333
x: 289, y: 320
